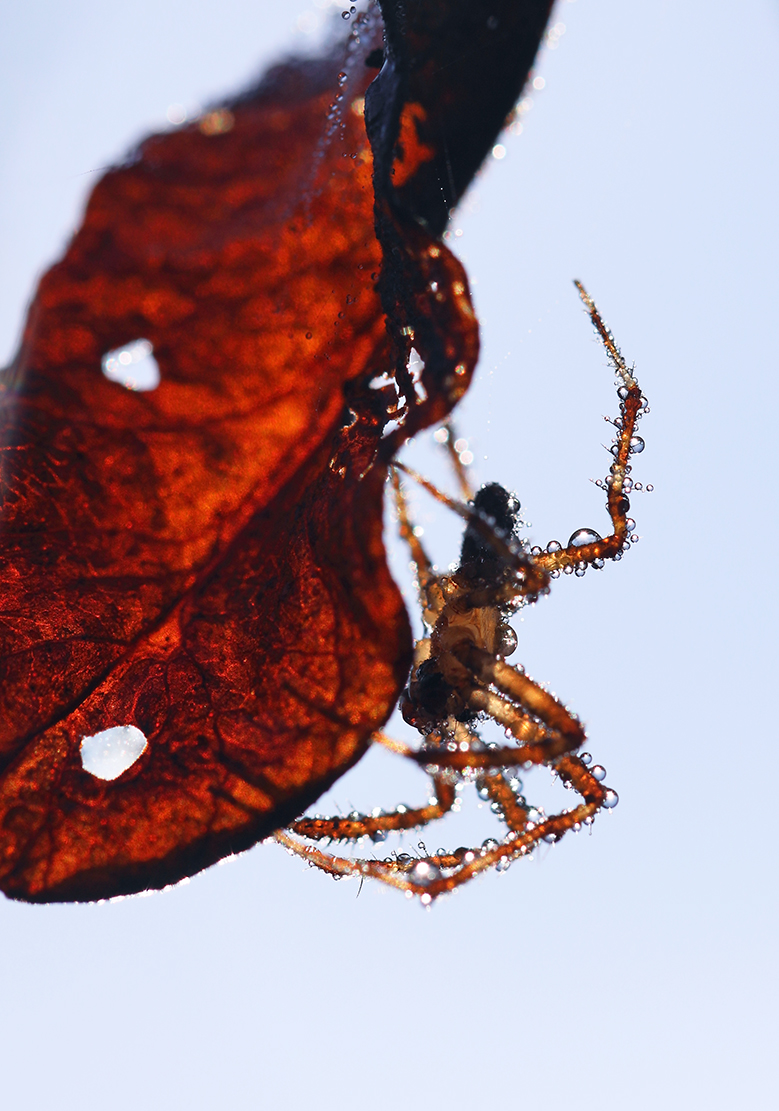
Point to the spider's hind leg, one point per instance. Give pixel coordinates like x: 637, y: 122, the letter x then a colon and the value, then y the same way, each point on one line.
x: 376, y: 825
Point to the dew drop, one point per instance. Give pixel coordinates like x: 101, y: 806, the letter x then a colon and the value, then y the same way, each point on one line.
x: 132, y: 366
x: 583, y: 536
x: 610, y: 799
x: 176, y: 114
x: 636, y: 445
x: 554, y: 546
x: 507, y: 640
x: 586, y: 759
x: 465, y: 856
x: 598, y: 772
x: 488, y: 845
x: 425, y: 872
x: 112, y: 751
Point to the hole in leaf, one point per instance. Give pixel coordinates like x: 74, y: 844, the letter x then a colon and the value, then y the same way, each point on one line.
x: 112, y: 751
x: 132, y: 366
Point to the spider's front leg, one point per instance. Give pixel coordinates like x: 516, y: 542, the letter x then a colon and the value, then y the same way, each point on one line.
x: 585, y: 547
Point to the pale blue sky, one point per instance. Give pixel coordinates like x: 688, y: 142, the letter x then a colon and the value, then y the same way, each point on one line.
x: 633, y: 969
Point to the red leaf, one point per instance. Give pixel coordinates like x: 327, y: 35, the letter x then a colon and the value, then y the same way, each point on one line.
x: 204, y: 560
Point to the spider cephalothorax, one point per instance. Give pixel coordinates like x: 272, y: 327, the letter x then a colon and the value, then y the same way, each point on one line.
x: 460, y: 678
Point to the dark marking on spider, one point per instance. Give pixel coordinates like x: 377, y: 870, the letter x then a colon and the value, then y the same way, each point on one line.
x: 460, y: 677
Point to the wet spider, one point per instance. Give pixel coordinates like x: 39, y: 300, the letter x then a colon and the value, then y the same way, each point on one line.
x: 460, y: 677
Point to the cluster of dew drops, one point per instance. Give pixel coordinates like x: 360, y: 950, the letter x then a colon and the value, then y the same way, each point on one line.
x: 335, y: 115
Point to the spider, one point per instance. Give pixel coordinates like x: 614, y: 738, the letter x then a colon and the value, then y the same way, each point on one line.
x: 460, y: 677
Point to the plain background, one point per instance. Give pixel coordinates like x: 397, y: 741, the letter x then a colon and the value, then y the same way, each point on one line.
x: 632, y: 969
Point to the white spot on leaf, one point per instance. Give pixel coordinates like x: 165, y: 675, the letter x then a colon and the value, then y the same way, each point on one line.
x: 132, y: 366
x: 112, y: 751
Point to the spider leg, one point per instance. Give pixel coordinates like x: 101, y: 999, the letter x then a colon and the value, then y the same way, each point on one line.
x: 512, y: 809
x: 378, y: 824
x: 460, y: 469
x: 564, y: 729
x: 607, y: 339
x: 419, y: 556
x: 432, y: 875
x: 585, y: 547
x: 531, y: 580
x: 429, y: 595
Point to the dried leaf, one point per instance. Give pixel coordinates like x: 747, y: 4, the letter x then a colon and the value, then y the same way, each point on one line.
x: 203, y: 560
